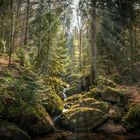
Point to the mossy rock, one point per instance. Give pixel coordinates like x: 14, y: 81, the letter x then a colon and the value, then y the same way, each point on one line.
x: 72, y: 100
x: 109, y: 94
x: 131, y: 120
x: 75, y: 89
x: 52, y: 103
x: 7, y: 100
x: 32, y: 118
x: 9, y: 131
x: 76, y: 101
x: 93, y: 103
x: 101, y: 81
x: 83, y: 118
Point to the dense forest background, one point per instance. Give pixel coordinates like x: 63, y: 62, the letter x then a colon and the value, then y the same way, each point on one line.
x: 60, y: 38
x: 51, y: 50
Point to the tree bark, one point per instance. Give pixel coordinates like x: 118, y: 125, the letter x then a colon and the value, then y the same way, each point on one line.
x: 131, y: 52
x: 27, y: 23
x: 94, y: 72
x: 11, y: 34
x: 80, y: 50
x: 40, y: 24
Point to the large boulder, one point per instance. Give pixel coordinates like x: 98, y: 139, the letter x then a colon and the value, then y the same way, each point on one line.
x: 108, y: 94
x: 32, y: 118
x: 9, y: 131
x: 51, y: 102
x: 83, y: 118
x: 84, y: 114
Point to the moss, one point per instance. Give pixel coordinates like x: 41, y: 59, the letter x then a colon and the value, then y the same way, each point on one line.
x: 83, y: 118
x: 52, y: 102
x: 19, y: 104
x: 113, y: 90
x: 93, y: 103
x: 73, y: 99
x: 108, y: 94
x: 117, y: 78
x: 102, y: 81
x: 32, y: 118
x: 132, y: 118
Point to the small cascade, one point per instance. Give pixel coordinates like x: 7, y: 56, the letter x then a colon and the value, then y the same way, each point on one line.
x: 64, y: 92
x: 56, y: 119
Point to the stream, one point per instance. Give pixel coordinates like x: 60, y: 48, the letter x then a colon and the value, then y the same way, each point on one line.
x: 64, y: 97
x: 67, y: 135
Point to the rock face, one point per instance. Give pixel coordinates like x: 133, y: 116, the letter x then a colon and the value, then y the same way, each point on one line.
x: 10, y: 131
x: 83, y: 119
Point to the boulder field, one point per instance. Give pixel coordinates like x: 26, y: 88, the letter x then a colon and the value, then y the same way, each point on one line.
x: 100, y: 109
x: 91, y: 110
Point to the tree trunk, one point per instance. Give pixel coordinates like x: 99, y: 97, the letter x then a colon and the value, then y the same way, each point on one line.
x: 11, y: 34
x: 131, y: 52
x: 80, y: 50
x: 40, y: 24
x: 94, y: 72
x: 27, y: 23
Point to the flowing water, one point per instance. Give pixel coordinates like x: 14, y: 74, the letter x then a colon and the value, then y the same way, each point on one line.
x: 64, y: 97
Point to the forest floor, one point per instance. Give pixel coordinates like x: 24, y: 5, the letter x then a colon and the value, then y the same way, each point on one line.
x: 135, y: 90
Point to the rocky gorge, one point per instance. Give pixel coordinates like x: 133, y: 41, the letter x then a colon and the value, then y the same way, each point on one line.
x: 104, y: 108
